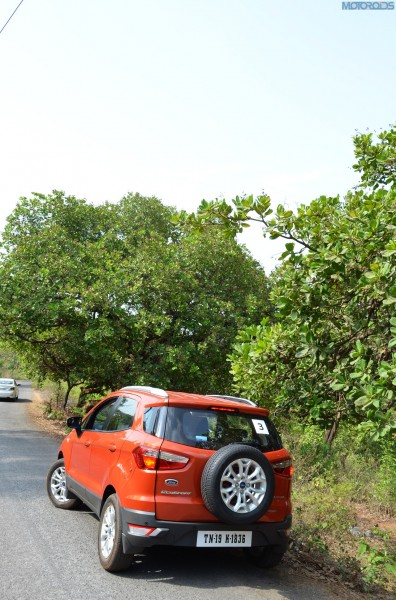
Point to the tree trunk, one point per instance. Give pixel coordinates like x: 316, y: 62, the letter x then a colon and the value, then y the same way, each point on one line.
x: 331, y: 433
x: 69, y: 389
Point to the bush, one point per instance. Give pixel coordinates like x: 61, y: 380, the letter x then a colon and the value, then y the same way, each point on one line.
x: 333, y: 486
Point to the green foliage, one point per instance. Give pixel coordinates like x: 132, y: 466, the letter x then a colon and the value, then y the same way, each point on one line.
x: 327, y: 355
x: 53, y: 414
x: 104, y: 296
x: 376, y: 161
x: 376, y: 560
x: 348, y: 471
x: 10, y: 365
x: 332, y: 486
x: 385, y: 492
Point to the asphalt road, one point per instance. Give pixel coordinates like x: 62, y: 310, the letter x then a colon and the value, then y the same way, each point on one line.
x: 47, y: 553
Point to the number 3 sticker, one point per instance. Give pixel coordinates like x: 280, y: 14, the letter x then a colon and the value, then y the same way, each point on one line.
x: 260, y: 426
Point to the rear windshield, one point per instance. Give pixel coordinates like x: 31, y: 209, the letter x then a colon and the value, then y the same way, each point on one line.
x: 211, y: 429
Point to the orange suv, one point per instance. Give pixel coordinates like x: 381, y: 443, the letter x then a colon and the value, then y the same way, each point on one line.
x: 177, y: 469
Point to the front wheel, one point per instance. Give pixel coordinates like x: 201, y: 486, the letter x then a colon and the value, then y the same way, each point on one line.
x: 56, y: 487
x: 265, y: 557
x: 111, y: 555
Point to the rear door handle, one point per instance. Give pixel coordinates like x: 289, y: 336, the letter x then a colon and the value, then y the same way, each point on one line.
x: 112, y: 447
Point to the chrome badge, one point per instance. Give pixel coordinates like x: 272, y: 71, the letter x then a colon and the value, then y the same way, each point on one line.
x: 171, y: 482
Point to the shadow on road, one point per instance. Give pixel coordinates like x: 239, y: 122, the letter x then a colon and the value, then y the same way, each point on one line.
x: 220, y: 569
x: 19, y: 401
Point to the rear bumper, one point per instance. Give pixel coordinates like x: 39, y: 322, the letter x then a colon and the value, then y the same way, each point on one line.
x: 170, y: 533
x: 8, y: 395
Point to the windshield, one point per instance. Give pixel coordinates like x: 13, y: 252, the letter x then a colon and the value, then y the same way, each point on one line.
x: 212, y: 429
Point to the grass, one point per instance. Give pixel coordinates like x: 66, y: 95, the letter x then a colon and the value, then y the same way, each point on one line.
x: 345, y: 505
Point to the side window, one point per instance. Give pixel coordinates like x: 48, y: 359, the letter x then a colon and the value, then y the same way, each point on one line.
x: 98, y: 420
x: 150, y: 419
x: 123, y: 415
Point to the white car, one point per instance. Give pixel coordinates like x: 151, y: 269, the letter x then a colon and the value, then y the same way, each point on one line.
x: 9, y: 389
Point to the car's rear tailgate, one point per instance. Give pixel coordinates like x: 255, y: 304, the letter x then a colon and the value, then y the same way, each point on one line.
x: 178, y: 491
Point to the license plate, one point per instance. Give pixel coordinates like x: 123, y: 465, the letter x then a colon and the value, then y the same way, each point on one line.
x: 224, y: 539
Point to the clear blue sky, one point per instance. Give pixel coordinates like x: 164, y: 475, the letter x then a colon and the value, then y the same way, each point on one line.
x: 190, y: 99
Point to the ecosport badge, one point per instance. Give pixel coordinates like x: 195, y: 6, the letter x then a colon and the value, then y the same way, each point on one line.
x: 169, y: 493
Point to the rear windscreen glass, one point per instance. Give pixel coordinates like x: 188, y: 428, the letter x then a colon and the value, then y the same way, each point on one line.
x: 211, y: 429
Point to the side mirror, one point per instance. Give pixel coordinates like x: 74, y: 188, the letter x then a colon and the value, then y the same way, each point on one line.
x: 74, y: 423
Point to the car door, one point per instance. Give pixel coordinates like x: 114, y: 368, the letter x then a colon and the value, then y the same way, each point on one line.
x: 104, y: 466
x: 92, y: 431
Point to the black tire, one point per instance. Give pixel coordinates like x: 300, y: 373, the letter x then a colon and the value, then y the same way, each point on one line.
x: 237, y: 484
x: 56, y: 487
x: 111, y: 555
x: 265, y: 557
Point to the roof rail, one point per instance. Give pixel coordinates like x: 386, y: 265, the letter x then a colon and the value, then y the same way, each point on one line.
x: 234, y: 399
x: 148, y: 389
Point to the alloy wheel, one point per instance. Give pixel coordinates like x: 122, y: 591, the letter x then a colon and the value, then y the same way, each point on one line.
x: 107, y: 532
x: 243, y: 485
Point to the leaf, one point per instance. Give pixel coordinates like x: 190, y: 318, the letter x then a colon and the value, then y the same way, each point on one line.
x: 362, y: 401
x: 303, y: 352
x: 337, y: 386
x: 389, y: 300
x: 363, y: 548
x: 356, y: 375
x: 390, y: 567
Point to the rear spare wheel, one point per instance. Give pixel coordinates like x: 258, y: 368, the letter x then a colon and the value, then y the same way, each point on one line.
x: 237, y: 484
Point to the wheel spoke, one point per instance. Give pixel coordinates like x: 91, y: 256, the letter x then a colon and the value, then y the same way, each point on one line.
x: 255, y: 475
x: 228, y: 495
x: 254, y: 498
x: 240, y: 506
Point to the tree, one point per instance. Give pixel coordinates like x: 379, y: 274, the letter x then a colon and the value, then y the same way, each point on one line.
x: 328, y: 353
x: 104, y: 296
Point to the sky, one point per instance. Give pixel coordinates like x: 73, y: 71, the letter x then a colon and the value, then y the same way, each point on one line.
x: 190, y: 99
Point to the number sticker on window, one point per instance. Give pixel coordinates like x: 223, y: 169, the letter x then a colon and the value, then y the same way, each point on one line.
x: 260, y: 426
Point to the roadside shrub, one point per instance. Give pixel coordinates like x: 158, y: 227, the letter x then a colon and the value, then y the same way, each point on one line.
x: 333, y: 485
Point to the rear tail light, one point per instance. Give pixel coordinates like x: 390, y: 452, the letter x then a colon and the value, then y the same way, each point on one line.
x: 284, y: 468
x: 171, y: 461
x: 147, y: 458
